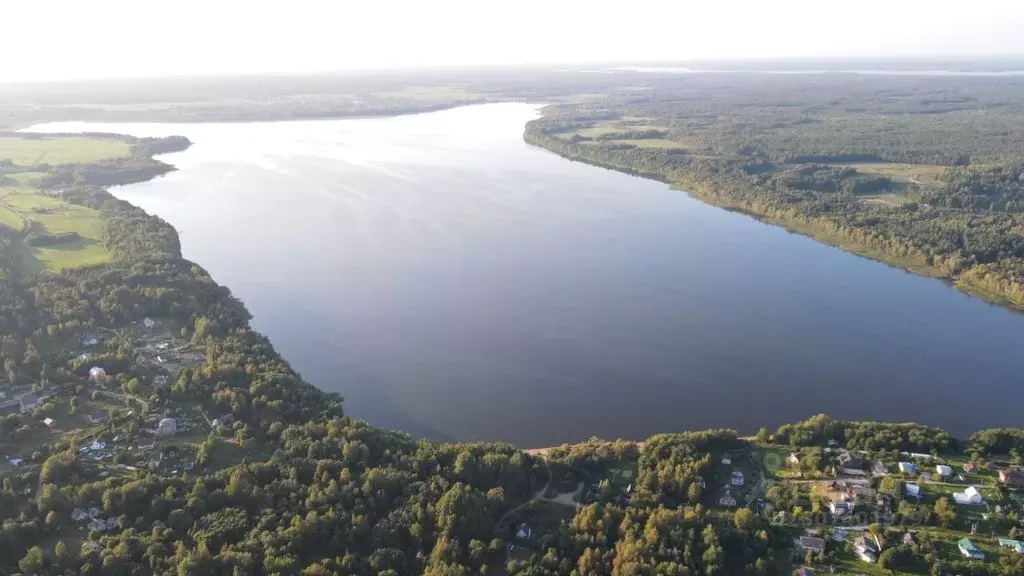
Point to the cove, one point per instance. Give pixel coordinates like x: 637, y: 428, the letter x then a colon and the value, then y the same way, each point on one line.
x: 451, y: 281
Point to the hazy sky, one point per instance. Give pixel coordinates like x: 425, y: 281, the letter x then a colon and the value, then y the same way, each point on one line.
x: 56, y: 39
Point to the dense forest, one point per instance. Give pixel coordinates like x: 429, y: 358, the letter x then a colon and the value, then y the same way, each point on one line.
x: 925, y: 173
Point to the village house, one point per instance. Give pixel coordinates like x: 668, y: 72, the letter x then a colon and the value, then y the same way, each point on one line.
x: 79, y: 515
x: 793, y: 459
x: 968, y: 549
x: 908, y: 468
x: 914, y: 491
x: 908, y: 539
x: 167, y: 426
x: 727, y: 499
x: 879, y: 468
x: 91, y: 547
x: 90, y: 340
x: 726, y: 459
x: 148, y: 322
x: 96, y: 525
x: 524, y: 532
x: 1016, y: 545
x: 943, y: 470
x: 49, y: 422
x: 851, y: 465
x: 970, y: 467
x: 1011, y: 478
x: 737, y: 478
x: 98, y: 417
x: 840, y: 507
x: 224, y: 421
x: 97, y: 374
x: 811, y: 544
x: 865, y: 550
x: 29, y: 402
x: 884, y: 500
x: 862, y: 493
x: 970, y: 496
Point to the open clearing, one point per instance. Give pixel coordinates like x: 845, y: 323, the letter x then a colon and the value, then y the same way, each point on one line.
x: 24, y: 208
x: 927, y: 174
x: 60, y: 150
x: 432, y: 93
x: 609, y: 127
x: 54, y: 216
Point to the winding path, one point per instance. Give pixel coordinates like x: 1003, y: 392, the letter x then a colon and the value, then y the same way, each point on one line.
x: 145, y: 404
x: 538, y: 496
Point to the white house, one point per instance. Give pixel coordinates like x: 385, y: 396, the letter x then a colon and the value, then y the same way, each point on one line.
x: 971, y: 496
x: 148, y: 322
x: 167, y: 426
x: 49, y: 422
x: 943, y: 470
x: 840, y: 507
x: 97, y: 374
x: 914, y: 491
x: 879, y: 468
x: 864, y: 552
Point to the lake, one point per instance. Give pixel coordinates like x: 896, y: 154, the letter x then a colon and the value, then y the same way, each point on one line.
x: 451, y: 281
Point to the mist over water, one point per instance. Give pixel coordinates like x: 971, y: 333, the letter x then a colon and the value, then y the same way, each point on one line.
x: 452, y: 281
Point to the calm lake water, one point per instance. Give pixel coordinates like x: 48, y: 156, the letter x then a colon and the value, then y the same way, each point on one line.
x: 452, y: 281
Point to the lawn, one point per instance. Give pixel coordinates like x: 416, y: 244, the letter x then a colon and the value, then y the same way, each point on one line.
x: 60, y: 149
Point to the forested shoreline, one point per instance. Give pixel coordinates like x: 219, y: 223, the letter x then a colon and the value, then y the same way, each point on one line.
x: 840, y: 162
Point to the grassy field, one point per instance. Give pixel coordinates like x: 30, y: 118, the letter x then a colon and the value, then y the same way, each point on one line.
x: 22, y: 203
x: 432, y: 93
x: 609, y: 127
x: 927, y: 174
x: 626, y: 124
x: 10, y: 218
x: 60, y: 150
x: 54, y: 216
x: 650, y: 143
